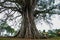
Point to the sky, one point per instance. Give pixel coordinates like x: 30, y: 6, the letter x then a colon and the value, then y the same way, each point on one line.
x: 57, y: 1
x: 55, y: 20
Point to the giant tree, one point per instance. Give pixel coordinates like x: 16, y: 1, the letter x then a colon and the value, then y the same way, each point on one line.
x: 29, y: 9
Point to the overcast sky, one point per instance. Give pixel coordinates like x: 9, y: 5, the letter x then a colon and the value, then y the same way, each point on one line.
x: 57, y: 1
x: 55, y: 20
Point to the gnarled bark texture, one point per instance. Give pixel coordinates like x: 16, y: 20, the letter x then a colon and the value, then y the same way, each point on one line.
x: 28, y: 29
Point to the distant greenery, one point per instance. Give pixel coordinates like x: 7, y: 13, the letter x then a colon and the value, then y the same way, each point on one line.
x: 5, y: 26
x: 51, y: 33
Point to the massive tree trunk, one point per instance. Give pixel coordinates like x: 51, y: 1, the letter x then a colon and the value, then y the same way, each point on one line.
x: 28, y: 29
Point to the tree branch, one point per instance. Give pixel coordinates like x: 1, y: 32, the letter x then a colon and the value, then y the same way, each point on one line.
x: 44, y: 11
x: 2, y: 10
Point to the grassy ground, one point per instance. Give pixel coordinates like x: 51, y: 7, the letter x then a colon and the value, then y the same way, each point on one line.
x: 55, y: 38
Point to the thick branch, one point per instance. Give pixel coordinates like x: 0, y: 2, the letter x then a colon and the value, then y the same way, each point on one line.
x: 44, y: 11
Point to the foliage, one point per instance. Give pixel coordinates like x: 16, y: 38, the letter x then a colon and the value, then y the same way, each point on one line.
x: 51, y: 33
x: 7, y: 28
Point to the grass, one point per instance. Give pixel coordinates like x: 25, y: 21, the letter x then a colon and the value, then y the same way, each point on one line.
x: 55, y: 38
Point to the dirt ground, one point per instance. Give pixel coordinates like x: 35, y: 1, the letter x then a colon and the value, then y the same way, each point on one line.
x: 28, y: 39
